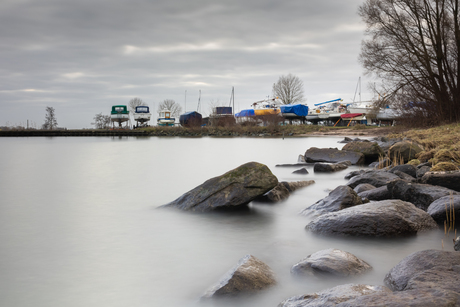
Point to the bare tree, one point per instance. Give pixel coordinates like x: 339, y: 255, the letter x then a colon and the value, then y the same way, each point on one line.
x: 289, y: 89
x: 135, y: 102
x: 413, y: 46
x: 101, y: 121
x: 50, y: 119
x: 172, y: 106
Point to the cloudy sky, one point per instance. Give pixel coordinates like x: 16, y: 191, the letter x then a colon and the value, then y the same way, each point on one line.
x: 82, y: 57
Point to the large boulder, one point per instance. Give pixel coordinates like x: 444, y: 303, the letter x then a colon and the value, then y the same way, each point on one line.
x: 421, y: 171
x: 386, y: 218
x: 421, y: 195
x: 334, y: 296
x: 321, y: 167
x: 371, y: 150
x: 404, y: 176
x: 333, y: 155
x: 249, y: 275
x: 376, y: 178
x: 426, y: 269
x: 331, y: 261
x: 363, y: 187
x: 231, y: 190
x: 445, y: 209
x: 450, y: 180
x: 340, y: 198
x: 404, y: 150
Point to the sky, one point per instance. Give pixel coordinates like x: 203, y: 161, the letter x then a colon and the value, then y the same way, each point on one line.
x: 82, y: 57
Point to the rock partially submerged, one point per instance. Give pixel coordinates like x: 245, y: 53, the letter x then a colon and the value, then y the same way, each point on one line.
x: 340, y: 198
x: 371, y: 150
x: 386, y: 218
x: 248, y: 276
x: 231, y: 190
x: 331, y: 261
x: 333, y: 155
x: 334, y: 296
x: 283, y: 190
x: 329, y: 167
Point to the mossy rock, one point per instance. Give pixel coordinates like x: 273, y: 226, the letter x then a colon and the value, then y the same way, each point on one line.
x: 414, y: 162
x: 405, y: 150
x: 444, y: 167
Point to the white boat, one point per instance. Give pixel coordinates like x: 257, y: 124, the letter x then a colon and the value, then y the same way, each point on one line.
x: 165, y: 119
x: 267, y: 107
x: 142, y: 115
x: 119, y: 114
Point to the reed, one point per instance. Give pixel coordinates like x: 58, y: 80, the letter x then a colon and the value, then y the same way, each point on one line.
x: 449, y: 223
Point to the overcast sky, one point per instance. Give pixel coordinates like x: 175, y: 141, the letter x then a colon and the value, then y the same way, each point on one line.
x: 81, y: 57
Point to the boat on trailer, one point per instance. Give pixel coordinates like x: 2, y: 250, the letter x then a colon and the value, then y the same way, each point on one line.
x: 165, y: 118
x: 142, y: 115
x: 119, y: 114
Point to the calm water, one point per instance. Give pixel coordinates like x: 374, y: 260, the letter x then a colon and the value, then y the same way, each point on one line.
x: 79, y: 224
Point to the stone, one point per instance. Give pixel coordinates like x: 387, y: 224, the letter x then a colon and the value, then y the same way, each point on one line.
x: 422, y: 171
x: 295, y: 185
x: 363, y: 187
x: 302, y: 171
x: 450, y: 180
x: 371, y: 150
x: 355, y: 173
x: 404, y: 150
x: 457, y: 244
x: 329, y: 167
x: 333, y: 155
x: 404, y: 176
x: 332, y: 262
x: 405, y: 168
x: 376, y: 178
x: 376, y: 194
x: 421, y: 195
x: 278, y: 193
x: 248, y: 276
x: 338, y: 199
x: 386, y: 218
x: 301, y: 159
x: 232, y: 190
x: 444, y: 207
x: 334, y: 296
x: 426, y: 269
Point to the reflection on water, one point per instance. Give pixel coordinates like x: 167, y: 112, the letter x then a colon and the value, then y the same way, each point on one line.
x: 79, y: 224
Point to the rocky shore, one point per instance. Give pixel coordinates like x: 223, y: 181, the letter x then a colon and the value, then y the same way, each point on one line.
x: 397, y: 193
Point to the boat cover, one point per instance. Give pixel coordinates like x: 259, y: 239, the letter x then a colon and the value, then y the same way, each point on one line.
x: 297, y: 109
x: 190, y: 117
x: 351, y: 115
x: 245, y: 113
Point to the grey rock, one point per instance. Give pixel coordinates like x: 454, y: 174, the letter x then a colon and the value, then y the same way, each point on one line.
x: 444, y: 207
x: 331, y: 261
x: 295, y: 185
x: 283, y: 190
x: 371, y: 150
x: 422, y: 171
x: 248, y: 276
x: 405, y: 168
x: 363, y: 187
x: 301, y: 159
x: 421, y: 195
x: 355, y: 173
x: 346, y: 140
x: 424, y: 269
x: 334, y: 296
x: 450, y: 180
x: 376, y: 178
x: 329, y: 167
x: 404, y: 176
x: 231, y: 190
x: 386, y: 218
x: 385, y: 163
x: 338, y: 199
x: 333, y: 155
x: 376, y: 194
x: 302, y: 171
